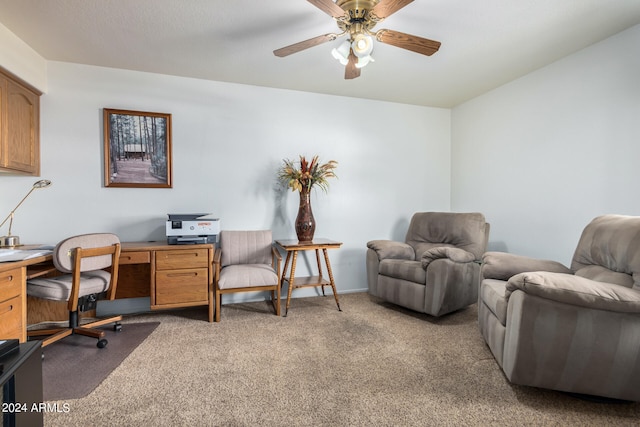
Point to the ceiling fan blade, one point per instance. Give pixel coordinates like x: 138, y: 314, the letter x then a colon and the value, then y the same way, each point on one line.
x: 306, y: 44
x: 408, y: 41
x: 328, y: 7
x: 351, y: 71
x: 388, y: 7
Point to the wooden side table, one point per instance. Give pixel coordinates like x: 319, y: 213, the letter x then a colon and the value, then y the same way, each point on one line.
x: 292, y: 247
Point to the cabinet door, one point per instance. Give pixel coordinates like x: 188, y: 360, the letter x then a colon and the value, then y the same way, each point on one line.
x: 19, y: 127
x: 22, y: 145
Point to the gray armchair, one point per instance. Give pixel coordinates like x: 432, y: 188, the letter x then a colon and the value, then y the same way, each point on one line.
x: 570, y: 329
x: 437, y: 269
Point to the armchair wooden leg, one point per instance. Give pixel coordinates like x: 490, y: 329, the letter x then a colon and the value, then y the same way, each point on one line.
x: 217, y: 305
x: 278, y: 301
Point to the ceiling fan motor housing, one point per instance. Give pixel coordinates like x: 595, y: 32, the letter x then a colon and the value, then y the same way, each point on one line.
x: 358, y: 18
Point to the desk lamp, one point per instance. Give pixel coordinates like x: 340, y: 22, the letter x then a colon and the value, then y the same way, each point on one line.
x: 9, y: 240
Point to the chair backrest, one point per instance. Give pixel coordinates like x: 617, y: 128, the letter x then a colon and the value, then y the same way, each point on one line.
x: 245, y: 247
x: 609, y: 251
x: 468, y: 231
x: 62, y: 253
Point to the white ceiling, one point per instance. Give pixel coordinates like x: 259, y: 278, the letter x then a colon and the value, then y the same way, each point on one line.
x: 485, y: 43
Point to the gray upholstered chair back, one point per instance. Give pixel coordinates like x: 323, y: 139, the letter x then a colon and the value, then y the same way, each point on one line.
x: 62, y: 253
x: 468, y: 231
x: 245, y: 247
x: 609, y: 251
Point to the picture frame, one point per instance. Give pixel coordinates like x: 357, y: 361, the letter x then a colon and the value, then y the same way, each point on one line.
x: 137, y: 149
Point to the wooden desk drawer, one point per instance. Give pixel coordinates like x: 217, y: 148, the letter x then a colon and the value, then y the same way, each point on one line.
x: 142, y: 257
x: 11, y: 283
x: 182, y: 286
x: 182, y: 258
x: 11, y: 318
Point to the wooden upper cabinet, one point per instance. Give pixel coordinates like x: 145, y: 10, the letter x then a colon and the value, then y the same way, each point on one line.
x: 19, y: 127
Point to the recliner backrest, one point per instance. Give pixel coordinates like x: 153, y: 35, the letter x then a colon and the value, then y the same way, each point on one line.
x: 245, y: 247
x: 609, y: 251
x: 468, y: 231
x: 63, y: 252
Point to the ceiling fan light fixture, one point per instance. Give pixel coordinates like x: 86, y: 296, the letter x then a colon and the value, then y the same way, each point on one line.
x: 341, y: 53
x: 364, y: 61
x: 362, y: 45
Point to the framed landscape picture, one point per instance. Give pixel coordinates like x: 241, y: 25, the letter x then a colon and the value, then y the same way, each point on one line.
x: 137, y: 149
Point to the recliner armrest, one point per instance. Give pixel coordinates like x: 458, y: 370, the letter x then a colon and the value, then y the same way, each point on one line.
x: 454, y: 254
x: 576, y: 290
x: 389, y: 249
x: 503, y: 265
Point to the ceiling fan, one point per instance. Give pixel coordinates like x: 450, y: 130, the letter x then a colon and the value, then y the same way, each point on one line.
x: 356, y: 19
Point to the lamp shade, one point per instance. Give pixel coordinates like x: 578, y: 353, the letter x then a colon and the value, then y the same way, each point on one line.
x: 362, y: 45
x: 341, y: 53
x: 364, y: 61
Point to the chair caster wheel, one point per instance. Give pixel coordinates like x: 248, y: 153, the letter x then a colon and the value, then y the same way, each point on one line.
x: 117, y: 327
x: 102, y: 343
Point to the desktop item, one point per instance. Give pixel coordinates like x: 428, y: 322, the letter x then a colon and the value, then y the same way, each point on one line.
x: 9, y: 240
x: 185, y: 229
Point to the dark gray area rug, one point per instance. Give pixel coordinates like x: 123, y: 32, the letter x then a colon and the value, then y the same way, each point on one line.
x: 75, y: 366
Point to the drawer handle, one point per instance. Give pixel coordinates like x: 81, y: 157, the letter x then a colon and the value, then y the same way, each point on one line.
x: 7, y: 310
x: 182, y: 274
x: 8, y: 278
x: 182, y: 253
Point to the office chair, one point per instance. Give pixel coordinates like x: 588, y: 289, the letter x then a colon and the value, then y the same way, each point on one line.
x: 81, y: 260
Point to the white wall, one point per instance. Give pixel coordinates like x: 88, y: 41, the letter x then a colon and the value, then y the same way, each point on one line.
x: 228, y: 142
x: 543, y: 155
x: 18, y: 58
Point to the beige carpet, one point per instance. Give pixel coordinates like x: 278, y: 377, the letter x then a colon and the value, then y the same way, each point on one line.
x: 371, y: 364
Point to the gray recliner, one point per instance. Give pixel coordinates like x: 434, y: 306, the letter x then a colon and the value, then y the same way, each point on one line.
x: 437, y: 269
x: 570, y: 329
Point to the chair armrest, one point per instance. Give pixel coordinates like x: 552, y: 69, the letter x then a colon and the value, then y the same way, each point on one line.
x: 454, y: 254
x: 217, y: 255
x: 502, y: 265
x: 388, y: 249
x: 576, y: 290
x: 276, y: 260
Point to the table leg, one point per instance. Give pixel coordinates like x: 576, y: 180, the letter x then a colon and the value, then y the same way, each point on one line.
x: 332, y: 282
x: 284, y: 269
x: 319, y: 269
x: 291, y: 280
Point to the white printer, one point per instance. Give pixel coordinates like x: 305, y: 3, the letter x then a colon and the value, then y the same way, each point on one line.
x: 185, y: 229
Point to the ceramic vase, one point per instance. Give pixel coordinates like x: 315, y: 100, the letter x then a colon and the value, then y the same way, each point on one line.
x: 305, y: 223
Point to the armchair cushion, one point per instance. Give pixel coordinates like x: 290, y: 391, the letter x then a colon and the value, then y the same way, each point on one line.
x: 466, y: 231
x: 388, y: 249
x: 601, y: 274
x: 611, y: 241
x: 454, y: 254
x: 492, y: 294
x: 246, y: 247
x: 411, y: 271
x: 575, y: 290
x: 502, y: 265
x: 246, y: 276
